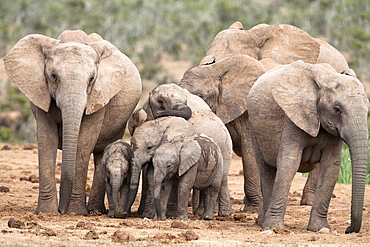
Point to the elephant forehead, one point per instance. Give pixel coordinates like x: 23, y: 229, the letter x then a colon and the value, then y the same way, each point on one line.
x: 72, y: 52
x: 173, y: 92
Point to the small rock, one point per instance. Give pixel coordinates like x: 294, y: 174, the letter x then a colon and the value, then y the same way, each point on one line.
x: 146, y: 220
x: 240, y: 217
x: 314, y: 238
x: 190, y: 235
x: 179, y: 224
x: 267, y: 232
x: 33, y: 179
x: 281, y: 231
x: 324, y: 230
x: 5, y: 147
x: 49, y: 233
x: 13, y: 223
x: 4, y: 189
x: 91, y: 235
x: 122, y: 237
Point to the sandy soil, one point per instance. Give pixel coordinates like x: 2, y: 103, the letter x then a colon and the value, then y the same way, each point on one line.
x: 20, y: 226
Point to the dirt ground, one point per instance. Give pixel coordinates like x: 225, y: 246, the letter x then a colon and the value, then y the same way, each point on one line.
x: 19, y: 225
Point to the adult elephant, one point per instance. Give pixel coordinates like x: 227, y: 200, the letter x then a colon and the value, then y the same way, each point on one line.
x: 82, y: 94
x: 300, y: 115
x: 224, y: 82
x: 172, y: 100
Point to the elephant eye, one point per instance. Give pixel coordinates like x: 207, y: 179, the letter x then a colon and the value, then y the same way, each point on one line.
x: 337, y: 110
x: 149, y: 147
x: 54, y: 77
x: 91, y: 80
x: 160, y: 101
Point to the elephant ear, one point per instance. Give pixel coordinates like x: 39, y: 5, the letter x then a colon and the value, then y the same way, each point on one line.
x: 115, y: 71
x: 286, y: 44
x: 189, y: 154
x: 238, y: 74
x: 25, y: 64
x: 295, y: 91
x: 138, y: 117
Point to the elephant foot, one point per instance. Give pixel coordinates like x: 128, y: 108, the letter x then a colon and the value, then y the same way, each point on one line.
x: 96, y: 207
x: 271, y: 223
x: 316, y: 225
x: 77, y: 209
x: 150, y: 214
x: 47, y: 207
x: 111, y: 213
x: 183, y: 217
x: 307, y: 199
x: 199, y: 211
x: 250, y: 206
x: 207, y: 216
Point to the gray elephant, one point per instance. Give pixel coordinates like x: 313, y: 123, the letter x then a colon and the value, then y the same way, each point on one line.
x: 234, y: 61
x: 82, y: 94
x: 170, y: 99
x: 196, y: 161
x: 116, y: 171
x: 160, y: 130
x: 300, y: 115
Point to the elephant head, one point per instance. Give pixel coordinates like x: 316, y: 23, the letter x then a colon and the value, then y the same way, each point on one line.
x: 146, y: 139
x: 75, y: 74
x: 224, y: 84
x: 171, y: 158
x: 168, y: 100
x: 281, y: 43
x: 316, y: 96
x: 115, y: 166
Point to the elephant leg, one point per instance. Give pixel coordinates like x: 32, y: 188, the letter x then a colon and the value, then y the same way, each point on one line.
x: 171, y: 211
x: 149, y: 211
x: 267, y: 178
x: 108, y: 188
x: 197, y: 203
x: 309, y: 190
x: 210, y: 200
x: 166, y: 195
x: 47, y: 136
x: 144, y: 189
x: 123, y: 195
x: 186, y: 183
x: 252, y: 187
x: 89, y: 133
x: 329, y: 171
x: 96, y: 199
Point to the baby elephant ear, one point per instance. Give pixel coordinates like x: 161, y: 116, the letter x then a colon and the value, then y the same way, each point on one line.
x: 189, y: 154
x: 295, y: 91
x: 138, y: 117
x: 115, y: 72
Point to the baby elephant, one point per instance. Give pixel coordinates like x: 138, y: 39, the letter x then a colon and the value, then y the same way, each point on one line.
x: 116, y: 165
x: 196, y: 162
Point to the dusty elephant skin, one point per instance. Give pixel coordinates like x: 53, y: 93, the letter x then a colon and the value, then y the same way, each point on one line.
x: 82, y: 94
x: 143, y: 147
x: 300, y: 116
x: 233, y: 62
x: 196, y: 161
x: 170, y: 99
x: 116, y: 171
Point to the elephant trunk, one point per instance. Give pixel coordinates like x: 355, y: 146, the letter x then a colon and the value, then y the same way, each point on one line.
x: 358, y: 150
x: 116, y: 199
x: 358, y: 147
x: 183, y: 111
x: 157, y: 197
x: 72, y: 110
x: 134, y: 185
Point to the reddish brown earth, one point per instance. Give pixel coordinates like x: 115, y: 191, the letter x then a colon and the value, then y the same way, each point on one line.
x: 19, y: 171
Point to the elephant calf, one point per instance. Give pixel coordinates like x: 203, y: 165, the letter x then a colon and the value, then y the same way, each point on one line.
x: 115, y: 166
x: 196, y: 162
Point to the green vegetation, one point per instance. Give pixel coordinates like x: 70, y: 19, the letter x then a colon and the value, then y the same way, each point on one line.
x: 148, y: 30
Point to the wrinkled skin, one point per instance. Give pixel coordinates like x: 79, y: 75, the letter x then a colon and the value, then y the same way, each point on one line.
x: 196, y: 161
x: 115, y: 166
x: 234, y: 61
x: 82, y: 92
x: 170, y: 98
x: 300, y: 115
x: 159, y: 130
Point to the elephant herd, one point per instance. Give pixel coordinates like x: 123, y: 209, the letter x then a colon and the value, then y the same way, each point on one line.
x: 280, y: 99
